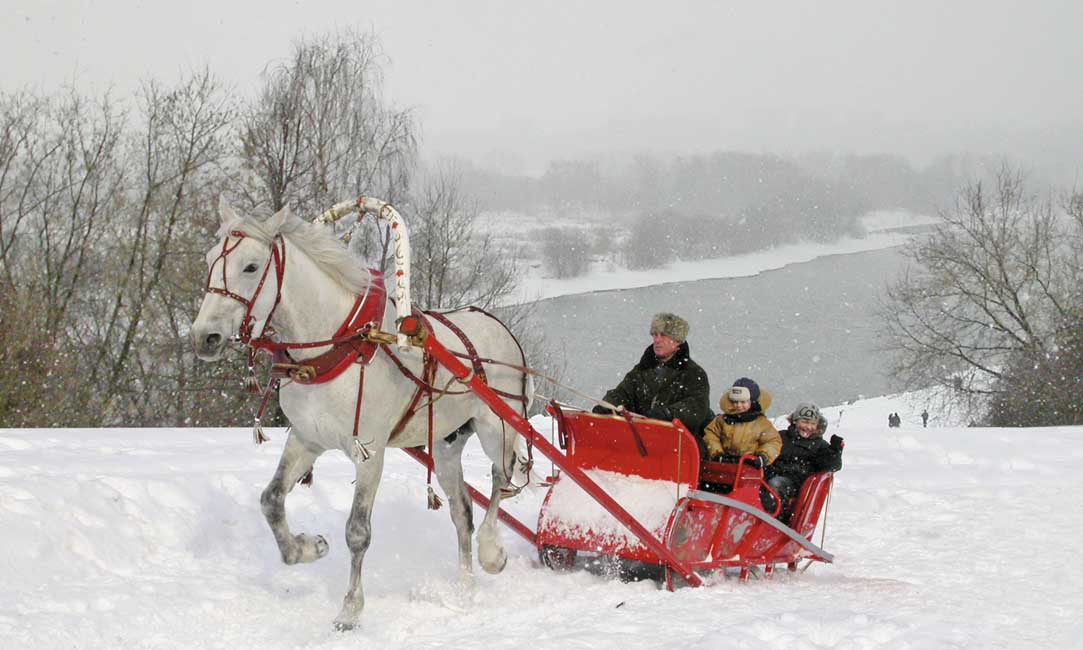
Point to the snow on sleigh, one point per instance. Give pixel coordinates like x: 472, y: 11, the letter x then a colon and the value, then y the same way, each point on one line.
x: 653, y: 468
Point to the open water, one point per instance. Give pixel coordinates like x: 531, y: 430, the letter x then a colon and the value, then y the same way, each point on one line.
x: 806, y: 332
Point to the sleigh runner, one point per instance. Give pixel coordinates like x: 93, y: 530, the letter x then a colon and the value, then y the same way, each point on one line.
x: 390, y: 376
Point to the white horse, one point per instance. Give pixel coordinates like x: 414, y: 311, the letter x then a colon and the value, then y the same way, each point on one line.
x: 297, y: 279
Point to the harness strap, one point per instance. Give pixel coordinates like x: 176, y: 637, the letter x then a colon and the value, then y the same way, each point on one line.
x: 357, y: 405
x: 424, y: 387
x: 327, y: 366
x: 479, y: 370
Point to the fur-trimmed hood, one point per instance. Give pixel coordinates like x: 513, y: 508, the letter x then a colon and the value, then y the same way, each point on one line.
x: 759, y: 406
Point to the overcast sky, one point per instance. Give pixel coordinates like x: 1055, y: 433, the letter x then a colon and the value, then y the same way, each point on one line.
x: 522, y: 81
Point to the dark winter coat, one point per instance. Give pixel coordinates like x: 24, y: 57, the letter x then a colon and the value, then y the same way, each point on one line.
x: 677, y: 388
x: 801, y: 457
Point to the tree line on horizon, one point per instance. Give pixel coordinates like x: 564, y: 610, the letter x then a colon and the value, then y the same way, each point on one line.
x: 730, y: 183
x: 714, y: 205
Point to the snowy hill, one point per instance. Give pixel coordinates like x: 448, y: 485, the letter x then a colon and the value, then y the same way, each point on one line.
x: 152, y: 538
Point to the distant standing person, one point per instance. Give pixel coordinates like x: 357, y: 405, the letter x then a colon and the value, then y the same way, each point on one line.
x: 925, y: 418
x: 666, y: 383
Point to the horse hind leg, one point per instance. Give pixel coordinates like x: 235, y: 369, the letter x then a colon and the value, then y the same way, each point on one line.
x: 295, y: 462
x: 448, y: 465
x: 498, y: 441
x: 358, y: 537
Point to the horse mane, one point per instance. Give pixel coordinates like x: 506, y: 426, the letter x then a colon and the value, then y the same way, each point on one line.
x: 317, y: 241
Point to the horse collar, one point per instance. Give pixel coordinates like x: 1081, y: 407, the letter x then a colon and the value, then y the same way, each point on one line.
x: 348, y: 345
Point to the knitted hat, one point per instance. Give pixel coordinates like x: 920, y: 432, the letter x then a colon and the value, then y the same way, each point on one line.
x: 806, y: 411
x: 670, y: 325
x: 744, y: 390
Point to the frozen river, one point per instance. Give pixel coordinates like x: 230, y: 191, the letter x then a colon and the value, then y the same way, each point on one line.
x: 806, y: 332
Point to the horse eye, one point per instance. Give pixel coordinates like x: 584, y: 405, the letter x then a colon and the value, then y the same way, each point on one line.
x: 251, y: 268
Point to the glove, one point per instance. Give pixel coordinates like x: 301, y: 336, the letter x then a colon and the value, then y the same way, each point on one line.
x: 660, y: 413
x: 837, y: 443
x: 758, y: 461
x: 601, y: 410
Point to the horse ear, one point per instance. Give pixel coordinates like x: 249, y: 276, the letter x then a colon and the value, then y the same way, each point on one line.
x: 275, y: 221
x: 226, y: 213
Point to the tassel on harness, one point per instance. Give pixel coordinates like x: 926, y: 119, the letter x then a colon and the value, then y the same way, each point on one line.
x: 258, y: 436
x: 434, y: 500
x: 251, y: 384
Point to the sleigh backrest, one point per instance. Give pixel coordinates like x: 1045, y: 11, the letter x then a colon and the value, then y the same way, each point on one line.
x: 609, y: 443
x: 810, y: 502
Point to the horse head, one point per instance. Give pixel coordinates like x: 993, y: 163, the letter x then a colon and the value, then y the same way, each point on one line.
x: 243, y: 285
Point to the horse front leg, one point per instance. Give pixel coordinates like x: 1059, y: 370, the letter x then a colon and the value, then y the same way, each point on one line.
x: 359, y: 535
x: 296, y: 460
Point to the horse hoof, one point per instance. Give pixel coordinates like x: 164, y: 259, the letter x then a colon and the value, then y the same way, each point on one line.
x: 308, y: 548
x: 321, y: 546
x: 496, y: 565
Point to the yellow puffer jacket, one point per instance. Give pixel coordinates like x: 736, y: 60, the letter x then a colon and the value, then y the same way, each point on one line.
x: 726, y: 435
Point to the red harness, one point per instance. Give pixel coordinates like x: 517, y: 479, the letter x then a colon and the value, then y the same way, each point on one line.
x: 349, y: 344
x: 278, y: 258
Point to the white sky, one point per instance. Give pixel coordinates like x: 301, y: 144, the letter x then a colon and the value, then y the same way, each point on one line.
x: 550, y: 78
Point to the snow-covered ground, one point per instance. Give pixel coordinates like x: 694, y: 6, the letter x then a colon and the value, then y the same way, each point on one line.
x: 884, y: 229
x: 945, y: 537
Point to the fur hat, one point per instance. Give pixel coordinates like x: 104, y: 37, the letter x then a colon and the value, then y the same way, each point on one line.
x: 744, y: 390
x: 670, y: 325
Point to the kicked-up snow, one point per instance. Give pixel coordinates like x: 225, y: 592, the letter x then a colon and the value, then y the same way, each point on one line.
x: 946, y: 537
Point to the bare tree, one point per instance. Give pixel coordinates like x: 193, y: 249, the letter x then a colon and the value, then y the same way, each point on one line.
x: 994, y: 289
x: 650, y: 244
x: 59, y: 181
x: 321, y: 131
x: 566, y: 251
x: 454, y: 262
x: 99, y: 220
x: 457, y: 263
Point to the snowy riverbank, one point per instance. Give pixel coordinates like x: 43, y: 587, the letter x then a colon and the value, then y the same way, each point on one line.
x: 883, y: 230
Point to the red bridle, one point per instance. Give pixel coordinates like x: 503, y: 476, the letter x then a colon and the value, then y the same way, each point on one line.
x: 277, y: 257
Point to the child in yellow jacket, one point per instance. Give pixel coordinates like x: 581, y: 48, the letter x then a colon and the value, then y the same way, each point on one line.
x: 742, y: 428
